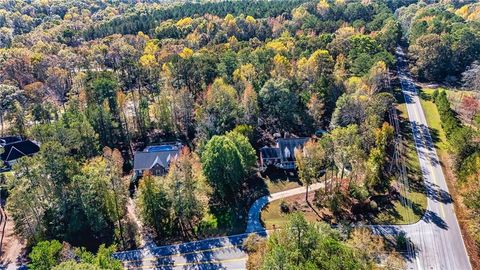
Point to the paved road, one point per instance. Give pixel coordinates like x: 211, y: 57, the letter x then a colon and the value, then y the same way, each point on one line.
x: 436, y: 238
x: 215, y: 253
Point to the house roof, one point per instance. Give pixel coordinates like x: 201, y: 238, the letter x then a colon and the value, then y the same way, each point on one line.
x: 9, y: 140
x: 287, y: 147
x: 284, y: 150
x: 270, y: 152
x: 16, y: 150
x: 146, y: 160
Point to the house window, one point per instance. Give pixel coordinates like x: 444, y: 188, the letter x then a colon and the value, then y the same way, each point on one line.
x: 287, y: 153
x: 157, y: 170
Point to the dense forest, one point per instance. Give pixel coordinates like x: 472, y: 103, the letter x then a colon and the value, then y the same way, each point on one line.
x: 93, y: 81
x: 443, y: 43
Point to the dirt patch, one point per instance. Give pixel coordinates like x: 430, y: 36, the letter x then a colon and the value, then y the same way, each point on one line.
x: 13, y: 248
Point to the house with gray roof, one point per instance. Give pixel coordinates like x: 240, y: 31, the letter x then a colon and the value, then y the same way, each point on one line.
x: 282, y: 155
x: 14, y: 148
x: 155, y: 159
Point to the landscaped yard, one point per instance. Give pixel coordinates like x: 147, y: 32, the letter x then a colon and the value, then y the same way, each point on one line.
x: 392, y: 210
x: 272, y: 215
x: 279, y: 180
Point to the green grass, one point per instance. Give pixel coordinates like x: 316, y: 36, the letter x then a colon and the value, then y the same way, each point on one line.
x: 433, y: 120
x: 278, y: 181
x: 279, y: 186
x: 400, y: 214
x: 271, y: 215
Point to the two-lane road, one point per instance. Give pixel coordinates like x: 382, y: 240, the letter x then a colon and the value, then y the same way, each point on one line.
x: 214, y: 253
x: 437, y: 238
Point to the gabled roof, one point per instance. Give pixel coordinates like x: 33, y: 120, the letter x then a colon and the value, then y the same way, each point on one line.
x: 146, y: 160
x: 20, y: 149
x: 284, y: 150
x: 287, y: 147
x: 9, y: 140
x: 270, y: 152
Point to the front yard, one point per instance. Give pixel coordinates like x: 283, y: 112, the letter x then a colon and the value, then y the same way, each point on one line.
x: 273, y: 217
x: 403, y: 208
x: 278, y: 180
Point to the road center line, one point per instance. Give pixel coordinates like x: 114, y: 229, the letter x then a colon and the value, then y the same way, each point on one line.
x: 155, y: 258
x: 188, y: 263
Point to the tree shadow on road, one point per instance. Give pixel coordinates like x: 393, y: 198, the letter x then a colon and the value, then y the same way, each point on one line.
x: 203, y: 261
x: 135, y: 259
x: 432, y: 217
x: 205, y: 255
x: 396, y: 237
x: 435, y: 193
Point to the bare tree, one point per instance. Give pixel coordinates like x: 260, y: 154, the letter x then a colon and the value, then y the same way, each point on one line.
x: 471, y: 77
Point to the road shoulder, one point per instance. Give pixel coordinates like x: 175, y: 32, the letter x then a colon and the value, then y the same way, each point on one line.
x: 433, y: 120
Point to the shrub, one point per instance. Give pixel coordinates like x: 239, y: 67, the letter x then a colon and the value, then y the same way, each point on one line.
x: 45, y: 255
x: 208, y: 224
x: 359, y: 192
x: 373, y: 205
x: 335, y: 203
x: 252, y: 242
x: 284, y: 207
x: 435, y: 94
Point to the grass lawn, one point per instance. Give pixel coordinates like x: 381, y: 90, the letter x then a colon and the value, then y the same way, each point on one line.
x: 272, y: 214
x: 279, y: 186
x: 278, y: 180
x: 433, y: 121
x: 400, y: 214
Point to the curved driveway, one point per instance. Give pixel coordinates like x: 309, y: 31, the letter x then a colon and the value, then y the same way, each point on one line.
x: 254, y: 223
